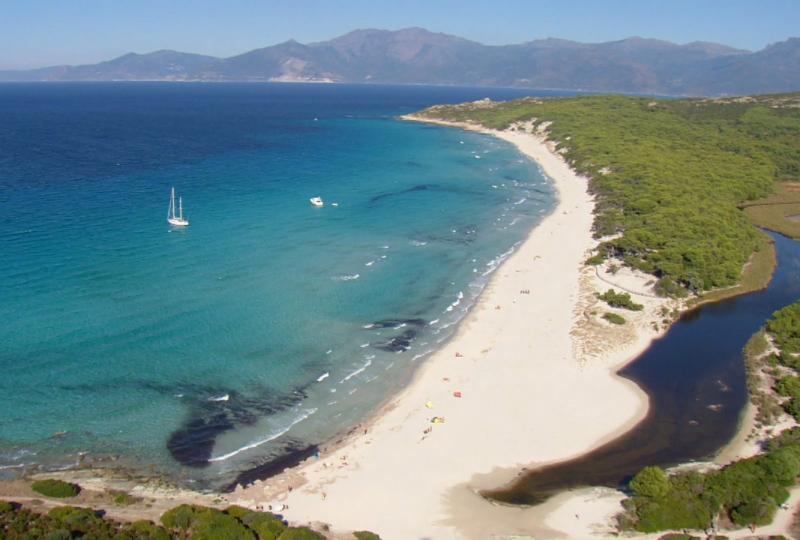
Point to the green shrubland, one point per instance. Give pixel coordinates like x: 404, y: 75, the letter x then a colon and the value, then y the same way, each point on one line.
x: 184, y: 522
x: 669, y: 175
x: 784, y: 327
x: 747, y: 492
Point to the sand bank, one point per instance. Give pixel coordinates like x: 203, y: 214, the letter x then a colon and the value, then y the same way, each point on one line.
x: 536, y: 376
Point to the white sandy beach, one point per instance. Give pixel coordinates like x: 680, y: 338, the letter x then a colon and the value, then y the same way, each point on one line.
x: 529, y: 397
x: 536, y: 375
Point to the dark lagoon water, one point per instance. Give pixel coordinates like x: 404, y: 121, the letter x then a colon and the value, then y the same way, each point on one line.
x: 695, y: 377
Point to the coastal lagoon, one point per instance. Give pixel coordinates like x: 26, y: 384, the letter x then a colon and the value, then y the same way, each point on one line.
x: 267, y: 326
x: 695, y: 379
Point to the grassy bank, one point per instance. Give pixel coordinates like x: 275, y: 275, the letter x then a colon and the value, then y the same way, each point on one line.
x: 778, y: 212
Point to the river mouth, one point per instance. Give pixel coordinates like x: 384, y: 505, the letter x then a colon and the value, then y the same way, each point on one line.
x: 695, y: 379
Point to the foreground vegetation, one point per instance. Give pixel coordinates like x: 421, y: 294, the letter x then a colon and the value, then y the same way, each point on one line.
x: 747, y: 492
x: 185, y: 522
x: 670, y: 175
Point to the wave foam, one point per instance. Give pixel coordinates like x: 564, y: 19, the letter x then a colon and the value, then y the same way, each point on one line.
x: 356, y: 372
x: 268, y: 438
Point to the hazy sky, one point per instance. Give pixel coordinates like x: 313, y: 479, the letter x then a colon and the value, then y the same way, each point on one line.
x: 36, y: 33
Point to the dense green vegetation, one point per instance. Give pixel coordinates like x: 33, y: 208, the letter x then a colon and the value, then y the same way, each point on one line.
x: 614, y: 318
x: 746, y: 492
x: 619, y: 300
x: 55, y: 488
x: 784, y: 327
x: 185, y: 522
x: 67, y: 522
x: 669, y: 175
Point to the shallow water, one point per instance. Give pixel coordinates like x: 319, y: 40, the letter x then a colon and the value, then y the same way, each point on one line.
x: 267, y: 325
x: 695, y: 378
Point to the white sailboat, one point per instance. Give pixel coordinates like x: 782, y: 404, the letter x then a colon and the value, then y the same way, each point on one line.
x: 176, y: 218
x: 316, y: 201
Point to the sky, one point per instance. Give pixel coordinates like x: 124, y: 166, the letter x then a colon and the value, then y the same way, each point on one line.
x: 36, y: 33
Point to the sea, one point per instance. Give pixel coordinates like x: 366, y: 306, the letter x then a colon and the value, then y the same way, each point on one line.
x: 266, y: 327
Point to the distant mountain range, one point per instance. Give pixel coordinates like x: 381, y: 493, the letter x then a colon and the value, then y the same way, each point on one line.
x: 417, y: 56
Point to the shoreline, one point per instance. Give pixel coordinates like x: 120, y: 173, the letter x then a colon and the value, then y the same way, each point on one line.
x: 491, y: 355
x: 323, y: 490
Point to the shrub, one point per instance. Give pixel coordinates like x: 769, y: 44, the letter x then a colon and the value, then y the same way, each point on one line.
x: 366, y: 535
x: 266, y: 526
x: 759, y: 512
x: 650, y: 482
x: 667, y: 287
x: 300, y: 533
x: 676, y: 510
x: 216, y: 525
x: 594, y: 260
x: 6, y: 506
x: 785, y: 328
x: 613, y: 318
x: 180, y: 517
x: 620, y: 300
x: 80, y: 520
x: 206, y: 523
x: 238, y: 511
x: 145, y: 530
x: 789, y: 437
x: 55, y: 488
x: 788, y: 386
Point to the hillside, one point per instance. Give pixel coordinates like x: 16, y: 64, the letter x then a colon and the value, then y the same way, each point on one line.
x: 417, y: 56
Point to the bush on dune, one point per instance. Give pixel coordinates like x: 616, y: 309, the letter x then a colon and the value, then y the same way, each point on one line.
x: 300, y: 533
x: 620, y: 300
x: 55, y: 488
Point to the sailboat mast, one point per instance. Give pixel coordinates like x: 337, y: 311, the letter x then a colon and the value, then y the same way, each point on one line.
x: 180, y: 204
x: 172, y: 203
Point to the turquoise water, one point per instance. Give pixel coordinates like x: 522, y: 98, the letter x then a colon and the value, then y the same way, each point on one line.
x: 265, y: 326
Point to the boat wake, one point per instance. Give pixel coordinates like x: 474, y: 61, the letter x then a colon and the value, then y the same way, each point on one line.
x: 347, y: 277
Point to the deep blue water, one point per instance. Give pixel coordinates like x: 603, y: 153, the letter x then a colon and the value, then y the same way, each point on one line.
x: 265, y: 326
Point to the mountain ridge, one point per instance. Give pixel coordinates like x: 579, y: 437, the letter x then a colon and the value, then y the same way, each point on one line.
x: 418, y: 56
